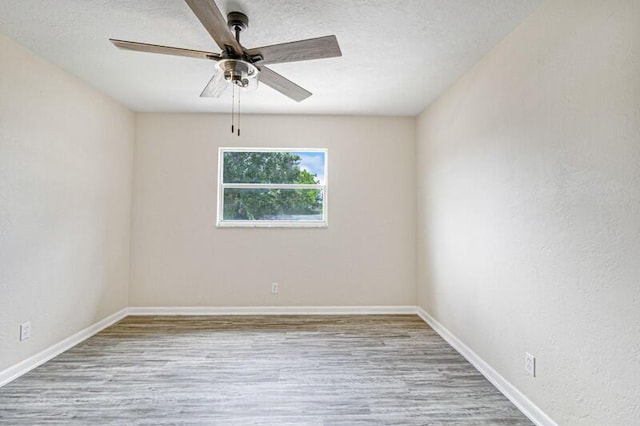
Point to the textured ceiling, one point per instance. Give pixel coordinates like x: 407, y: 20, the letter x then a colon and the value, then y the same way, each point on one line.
x: 398, y: 55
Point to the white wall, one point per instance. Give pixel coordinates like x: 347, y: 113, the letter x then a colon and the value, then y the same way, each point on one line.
x: 365, y: 257
x: 529, y: 209
x: 65, y: 191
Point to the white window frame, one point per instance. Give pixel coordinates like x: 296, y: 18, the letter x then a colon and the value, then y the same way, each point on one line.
x: 272, y: 223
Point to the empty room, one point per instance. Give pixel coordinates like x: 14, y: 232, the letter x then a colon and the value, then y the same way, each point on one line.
x: 291, y: 212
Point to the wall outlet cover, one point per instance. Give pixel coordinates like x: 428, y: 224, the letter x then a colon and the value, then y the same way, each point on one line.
x: 25, y: 330
x: 530, y: 364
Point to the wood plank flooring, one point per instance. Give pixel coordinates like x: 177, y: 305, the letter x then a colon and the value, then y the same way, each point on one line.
x: 259, y: 370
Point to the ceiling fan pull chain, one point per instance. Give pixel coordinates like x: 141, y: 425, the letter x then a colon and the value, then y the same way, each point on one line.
x: 239, y: 111
x: 233, y: 105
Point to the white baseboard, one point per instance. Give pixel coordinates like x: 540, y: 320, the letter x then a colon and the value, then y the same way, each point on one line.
x: 40, y: 358
x: 524, y: 404
x: 275, y: 310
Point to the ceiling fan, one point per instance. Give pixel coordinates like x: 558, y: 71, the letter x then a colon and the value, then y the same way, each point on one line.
x: 238, y: 65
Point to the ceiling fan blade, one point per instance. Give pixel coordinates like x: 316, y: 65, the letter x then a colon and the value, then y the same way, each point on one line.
x: 210, y: 16
x: 302, y: 50
x: 282, y: 85
x: 166, y: 50
x: 216, y: 86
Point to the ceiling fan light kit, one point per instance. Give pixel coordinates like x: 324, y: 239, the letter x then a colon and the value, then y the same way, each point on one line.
x: 237, y: 71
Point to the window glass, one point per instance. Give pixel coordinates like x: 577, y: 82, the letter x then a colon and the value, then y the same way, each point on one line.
x: 272, y: 187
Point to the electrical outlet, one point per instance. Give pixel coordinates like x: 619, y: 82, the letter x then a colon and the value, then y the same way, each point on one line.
x: 530, y: 364
x: 274, y: 288
x: 25, y: 330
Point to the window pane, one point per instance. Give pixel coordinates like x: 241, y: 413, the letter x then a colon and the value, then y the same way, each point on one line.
x: 288, y: 167
x: 273, y: 204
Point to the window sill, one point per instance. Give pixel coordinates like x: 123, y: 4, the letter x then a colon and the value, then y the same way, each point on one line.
x: 271, y: 224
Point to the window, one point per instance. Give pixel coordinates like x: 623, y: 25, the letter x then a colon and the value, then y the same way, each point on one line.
x: 272, y: 187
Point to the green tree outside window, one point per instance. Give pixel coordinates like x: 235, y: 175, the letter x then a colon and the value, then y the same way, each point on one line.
x: 268, y: 167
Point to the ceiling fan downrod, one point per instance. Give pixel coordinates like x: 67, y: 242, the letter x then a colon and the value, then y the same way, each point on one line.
x: 237, y: 22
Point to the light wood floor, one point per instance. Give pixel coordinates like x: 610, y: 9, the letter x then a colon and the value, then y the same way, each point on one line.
x: 285, y: 370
